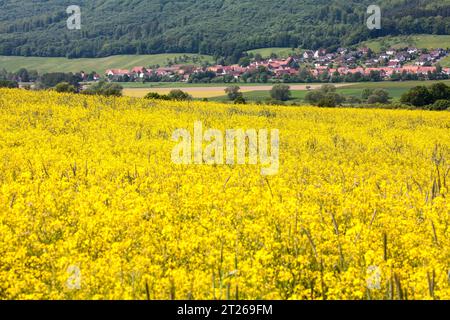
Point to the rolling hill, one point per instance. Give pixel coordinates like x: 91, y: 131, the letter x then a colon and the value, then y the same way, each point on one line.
x: 216, y: 27
x: 56, y: 64
x: 280, y: 52
x: 423, y: 41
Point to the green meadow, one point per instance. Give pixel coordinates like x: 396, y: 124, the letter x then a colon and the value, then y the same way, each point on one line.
x: 395, y: 90
x: 418, y: 41
x: 100, y: 65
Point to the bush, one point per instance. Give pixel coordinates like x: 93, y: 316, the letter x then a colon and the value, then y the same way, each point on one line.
x: 325, y: 97
x: 331, y: 100
x: 176, y: 95
x: 240, y: 100
x: 314, y: 97
x: 353, y: 100
x: 280, y: 92
x: 440, y: 91
x: 50, y: 80
x: 179, y: 95
x: 65, y: 87
x: 327, y: 88
x: 382, y: 95
x: 418, y: 96
x: 373, y: 99
x: 327, y: 102
x: 440, y: 105
x: 233, y: 93
x: 366, y: 93
x: 8, y: 84
x: 338, y: 98
x: 156, y: 96
x: 375, y: 96
x: 105, y: 89
x: 377, y: 99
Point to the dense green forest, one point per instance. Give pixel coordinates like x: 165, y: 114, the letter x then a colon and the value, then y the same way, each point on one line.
x: 223, y: 28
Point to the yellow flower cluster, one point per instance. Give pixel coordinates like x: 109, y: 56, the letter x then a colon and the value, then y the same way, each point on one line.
x: 92, y: 207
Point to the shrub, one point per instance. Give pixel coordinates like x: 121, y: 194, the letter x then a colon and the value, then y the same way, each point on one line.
x: 440, y: 105
x: 233, y: 93
x: 179, y: 95
x: 314, y: 97
x: 325, y: 97
x: 382, y: 95
x: 240, y: 100
x: 353, y: 100
x: 418, y: 96
x: 366, y: 93
x: 8, y: 84
x: 105, y: 89
x: 327, y: 88
x: 156, y: 96
x: 338, y: 98
x: 375, y: 96
x: 50, y: 80
x: 440, y: 91
x: 65, y: 87
x: 280, y: 92
x: 327, y: 102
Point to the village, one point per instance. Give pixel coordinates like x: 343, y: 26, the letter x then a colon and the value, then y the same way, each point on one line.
x: 343, y: 65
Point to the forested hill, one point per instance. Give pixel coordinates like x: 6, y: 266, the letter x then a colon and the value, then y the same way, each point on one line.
x: 217, y: 27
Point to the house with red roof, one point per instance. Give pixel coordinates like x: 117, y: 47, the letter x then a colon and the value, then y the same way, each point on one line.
x: 117, y: 72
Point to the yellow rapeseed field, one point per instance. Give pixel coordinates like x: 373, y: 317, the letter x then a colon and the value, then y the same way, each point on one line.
x: 92, y: 207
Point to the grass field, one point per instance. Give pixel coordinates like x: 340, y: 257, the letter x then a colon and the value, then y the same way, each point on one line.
x: 280, y: 52
x: 419, y: 41
x: 395, y: 89
x: 89, y: 64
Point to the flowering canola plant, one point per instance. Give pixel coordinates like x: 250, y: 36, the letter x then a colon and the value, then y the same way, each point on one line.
x: 92, y: 207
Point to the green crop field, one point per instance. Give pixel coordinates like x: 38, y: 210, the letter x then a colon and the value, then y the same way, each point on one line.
x: 395, y: 89
x: 280, y: 52
x: 419, y: 41
x: 13, y: 63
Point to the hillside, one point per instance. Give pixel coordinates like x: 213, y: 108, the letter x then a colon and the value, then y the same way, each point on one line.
x: 55, y: 64
x: 280, y: 52
x: 216, y: 27
x: 423, y: 41
x: 420, y: 41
